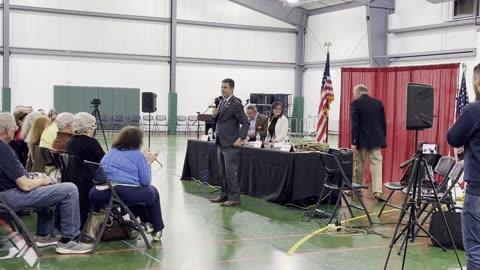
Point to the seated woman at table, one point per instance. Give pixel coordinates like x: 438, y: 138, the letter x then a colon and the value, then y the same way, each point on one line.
x: 130, y: 173
x: 277, y: 123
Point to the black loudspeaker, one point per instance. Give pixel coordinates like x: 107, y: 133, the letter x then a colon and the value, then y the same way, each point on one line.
x: 149, y: 102
x: 439, y: 230
x: 419, y: 106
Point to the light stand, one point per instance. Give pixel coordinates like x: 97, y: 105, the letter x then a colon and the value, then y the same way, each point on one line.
x: 412, y: 204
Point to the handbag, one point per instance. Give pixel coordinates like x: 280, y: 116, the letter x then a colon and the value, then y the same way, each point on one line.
x: 93, y: 224
x: 116, y: 229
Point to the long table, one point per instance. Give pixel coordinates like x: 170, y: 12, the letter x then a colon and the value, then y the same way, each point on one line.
x: 272, y: 175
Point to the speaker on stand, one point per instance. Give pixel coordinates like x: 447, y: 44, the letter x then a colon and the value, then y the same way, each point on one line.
x: 149, y: 105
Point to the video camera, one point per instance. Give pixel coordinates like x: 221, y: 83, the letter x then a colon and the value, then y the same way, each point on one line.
x: 95, y: 102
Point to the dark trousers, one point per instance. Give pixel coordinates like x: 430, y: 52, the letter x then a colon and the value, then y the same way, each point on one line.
x: 130, y: 195
x: 229, y: 158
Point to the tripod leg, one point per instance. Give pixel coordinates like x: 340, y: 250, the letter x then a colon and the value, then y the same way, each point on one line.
x: 405, y: 206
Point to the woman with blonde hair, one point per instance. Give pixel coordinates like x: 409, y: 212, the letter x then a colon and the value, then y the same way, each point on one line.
x: 35, y: 154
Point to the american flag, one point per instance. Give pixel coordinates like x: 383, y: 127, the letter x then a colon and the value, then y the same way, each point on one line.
x: 326, y: 97
x: 462, y: 98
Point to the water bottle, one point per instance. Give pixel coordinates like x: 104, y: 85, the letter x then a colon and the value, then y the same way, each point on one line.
x: 287, y: 139
x: 210, y: 134
x: 257, y: 138
x: 274, y: 138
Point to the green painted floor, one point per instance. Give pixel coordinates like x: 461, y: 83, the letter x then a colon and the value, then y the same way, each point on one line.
x: 257, y: 235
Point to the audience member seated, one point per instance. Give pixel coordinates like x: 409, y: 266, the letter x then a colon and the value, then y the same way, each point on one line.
x: 21, y: 192
x: 130, y: 173
x: 18, y: 144
x: 49, y: 135
x: 35, y: 156
x: 84, y: 147
x: 52, y: 114
x: 64, y: 133
x: 278, y: 122
x: 28, y: 124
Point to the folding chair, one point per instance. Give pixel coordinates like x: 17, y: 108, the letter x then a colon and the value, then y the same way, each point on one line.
x: 100, y: 178
x: 148, y: 122
x: 161, y: 121
x: 182, y: 122
x: 442, y: 165
x: 134, y: 120
x: 337, y: 180
x: 16, y: 222
x: 444, y: 192
x: 118, y: 122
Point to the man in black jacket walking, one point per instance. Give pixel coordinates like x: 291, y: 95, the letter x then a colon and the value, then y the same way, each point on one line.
x: 369, y: 129
x: 231, y: 131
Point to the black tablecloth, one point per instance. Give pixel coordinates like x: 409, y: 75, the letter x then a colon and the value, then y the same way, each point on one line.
x: 280, y: 177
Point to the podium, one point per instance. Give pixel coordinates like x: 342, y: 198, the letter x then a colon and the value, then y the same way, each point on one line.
x: 208, y: 119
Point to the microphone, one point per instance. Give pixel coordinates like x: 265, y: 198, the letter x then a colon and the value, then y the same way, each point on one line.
x: 218, y: 100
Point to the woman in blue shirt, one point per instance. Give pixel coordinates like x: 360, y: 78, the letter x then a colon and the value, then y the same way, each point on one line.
x: 130, y: 173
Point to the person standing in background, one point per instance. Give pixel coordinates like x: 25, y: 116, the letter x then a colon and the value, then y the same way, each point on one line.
x: 369, y: 131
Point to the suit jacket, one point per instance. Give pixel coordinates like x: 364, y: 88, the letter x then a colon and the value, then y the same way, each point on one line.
x: 369, y: 127
x: 232, y: 123
x: 261, y: 126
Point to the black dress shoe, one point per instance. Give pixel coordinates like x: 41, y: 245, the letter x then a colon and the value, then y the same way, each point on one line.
x: 230, y: 203
x: 218, y: 199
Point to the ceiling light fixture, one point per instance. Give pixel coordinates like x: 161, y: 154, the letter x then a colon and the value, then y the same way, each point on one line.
x: 292, y: 1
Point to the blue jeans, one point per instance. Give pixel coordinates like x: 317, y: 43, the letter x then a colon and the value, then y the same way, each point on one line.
x: 471, y: 230
x: 64, y: 195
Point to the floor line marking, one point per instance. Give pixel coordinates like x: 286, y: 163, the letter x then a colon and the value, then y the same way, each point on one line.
x: 306, y: 238
x: 143, y: 252
x: 297, y: 254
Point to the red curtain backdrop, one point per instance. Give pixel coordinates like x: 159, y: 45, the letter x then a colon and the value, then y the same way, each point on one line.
x: 389, y: 85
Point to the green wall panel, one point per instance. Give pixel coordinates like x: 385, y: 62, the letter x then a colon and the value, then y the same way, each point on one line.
x: 133, y: 101
x: 172, y: 113
x: 6, y: 99
x: 75, y: 99
x: 124, y: 101
x: 60, y: 98
x: 106, y: 97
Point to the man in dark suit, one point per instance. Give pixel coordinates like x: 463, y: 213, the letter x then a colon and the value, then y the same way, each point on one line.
x: 231, y: 131
x: 258, y: 124
x: 369, y: 129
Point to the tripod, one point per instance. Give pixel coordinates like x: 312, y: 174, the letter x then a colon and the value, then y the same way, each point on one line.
x: 412, y: 204
x: 149, y: 131
x: 96, y: 114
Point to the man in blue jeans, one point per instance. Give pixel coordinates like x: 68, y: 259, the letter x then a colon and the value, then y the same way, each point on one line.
x: 19, y: 191
x: 466, y: 132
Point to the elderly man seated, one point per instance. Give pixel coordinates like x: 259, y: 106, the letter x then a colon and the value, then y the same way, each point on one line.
x: 19, y: 191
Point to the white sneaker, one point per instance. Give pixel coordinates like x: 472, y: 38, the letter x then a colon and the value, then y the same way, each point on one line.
x: 73, y: 247
x: 156, y: 236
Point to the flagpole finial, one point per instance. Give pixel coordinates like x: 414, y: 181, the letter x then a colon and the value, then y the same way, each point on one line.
x: 464, y: 67
x: 327, y: 44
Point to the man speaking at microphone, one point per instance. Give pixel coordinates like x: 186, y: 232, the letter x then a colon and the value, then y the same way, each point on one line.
x: 230, y: 132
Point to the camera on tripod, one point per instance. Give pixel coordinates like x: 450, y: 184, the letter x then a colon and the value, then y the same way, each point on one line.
x: 95, y: 102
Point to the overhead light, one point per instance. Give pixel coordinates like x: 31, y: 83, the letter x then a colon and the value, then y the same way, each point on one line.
x: 292, y: 1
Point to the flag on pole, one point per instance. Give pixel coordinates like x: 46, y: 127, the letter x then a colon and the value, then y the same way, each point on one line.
x: 326, y: 97
x: 462, y: 98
